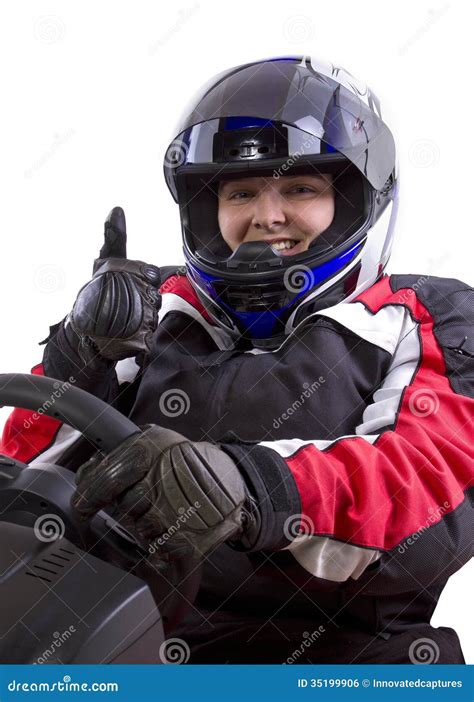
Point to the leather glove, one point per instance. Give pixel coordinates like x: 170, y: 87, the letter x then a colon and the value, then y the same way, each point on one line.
x: 118, y: 309
x: 114, y: 316
x: 182, y: 497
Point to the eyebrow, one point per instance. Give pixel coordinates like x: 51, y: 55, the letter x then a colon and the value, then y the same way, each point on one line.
x: 243, y: 181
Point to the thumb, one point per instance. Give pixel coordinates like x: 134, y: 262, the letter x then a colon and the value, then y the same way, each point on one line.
x: 115, y: 235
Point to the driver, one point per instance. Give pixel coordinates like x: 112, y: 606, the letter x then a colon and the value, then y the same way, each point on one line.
x: 306, y: 417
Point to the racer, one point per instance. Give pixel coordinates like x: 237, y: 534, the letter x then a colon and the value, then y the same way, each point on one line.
x: 310, y: 415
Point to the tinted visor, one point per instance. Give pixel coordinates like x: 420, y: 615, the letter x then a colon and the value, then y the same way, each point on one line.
x: 309, y: 113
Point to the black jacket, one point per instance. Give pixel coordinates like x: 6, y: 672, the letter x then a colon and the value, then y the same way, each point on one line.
x: 358, y: 430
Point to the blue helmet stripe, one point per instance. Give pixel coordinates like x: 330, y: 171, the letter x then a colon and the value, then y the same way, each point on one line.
x: 241, y: 122
x: 260, y: 324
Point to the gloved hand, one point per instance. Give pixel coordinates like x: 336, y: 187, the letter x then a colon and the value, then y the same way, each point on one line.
x: 114, y: 316
x: 118, y: 309
x: 184, y: 497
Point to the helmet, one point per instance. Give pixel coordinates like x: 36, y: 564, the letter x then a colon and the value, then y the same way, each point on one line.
x: 276, y: 117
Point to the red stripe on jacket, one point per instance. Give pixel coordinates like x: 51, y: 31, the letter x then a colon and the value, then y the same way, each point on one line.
x: 180, y: 285
x: 376, y: 495
x: 25, y: 435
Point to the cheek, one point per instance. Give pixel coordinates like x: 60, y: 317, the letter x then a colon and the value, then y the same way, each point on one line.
x: 231, y: 224
x: 225, y: 225
x: 315, y: 220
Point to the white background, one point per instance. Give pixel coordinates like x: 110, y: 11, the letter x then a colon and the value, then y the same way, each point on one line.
x: 91, y: 94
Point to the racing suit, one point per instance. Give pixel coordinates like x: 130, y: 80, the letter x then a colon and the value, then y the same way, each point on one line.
x: 359, y: 428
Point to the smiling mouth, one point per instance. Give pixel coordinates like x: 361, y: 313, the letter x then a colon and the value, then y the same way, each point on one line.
x: 282, y: 244
x: 287, y: 247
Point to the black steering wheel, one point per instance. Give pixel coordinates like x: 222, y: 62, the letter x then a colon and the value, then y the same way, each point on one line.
x: 174, y: 587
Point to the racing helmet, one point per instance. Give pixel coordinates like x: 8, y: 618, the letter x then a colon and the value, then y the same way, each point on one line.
x: 276, y: 117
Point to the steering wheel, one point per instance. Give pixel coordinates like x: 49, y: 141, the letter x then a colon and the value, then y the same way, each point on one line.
x: 174, y: 586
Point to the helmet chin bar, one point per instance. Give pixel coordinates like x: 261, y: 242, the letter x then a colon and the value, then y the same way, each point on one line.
x: 255, y: 305
x: 253, y: 256
x: 249, y: 256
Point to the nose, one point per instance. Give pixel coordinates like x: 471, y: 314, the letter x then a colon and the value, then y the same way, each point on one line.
x: 269, y: 213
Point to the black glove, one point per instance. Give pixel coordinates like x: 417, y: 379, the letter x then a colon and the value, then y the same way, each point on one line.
x: 114, y: 316
x: 182, y: 497
x: 68, y: 356
x: 118, y: 309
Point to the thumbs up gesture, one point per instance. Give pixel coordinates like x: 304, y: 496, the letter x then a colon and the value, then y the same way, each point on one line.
x: 117, y: 310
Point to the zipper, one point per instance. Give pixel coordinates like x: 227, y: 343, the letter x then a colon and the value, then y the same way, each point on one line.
x: 459, y: 349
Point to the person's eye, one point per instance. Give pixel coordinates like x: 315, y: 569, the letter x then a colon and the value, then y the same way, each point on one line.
x: 302, y: 188
x: 239, y: 195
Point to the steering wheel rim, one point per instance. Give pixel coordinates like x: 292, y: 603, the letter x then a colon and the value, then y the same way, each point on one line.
x: 107, y: 429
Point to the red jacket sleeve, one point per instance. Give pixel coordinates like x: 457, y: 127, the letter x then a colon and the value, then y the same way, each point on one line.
x: 397, y: 494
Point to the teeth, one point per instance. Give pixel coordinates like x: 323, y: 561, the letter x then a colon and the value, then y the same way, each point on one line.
x: 280, y: 245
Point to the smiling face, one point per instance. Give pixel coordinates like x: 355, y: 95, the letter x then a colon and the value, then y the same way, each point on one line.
x: 288, y: 212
